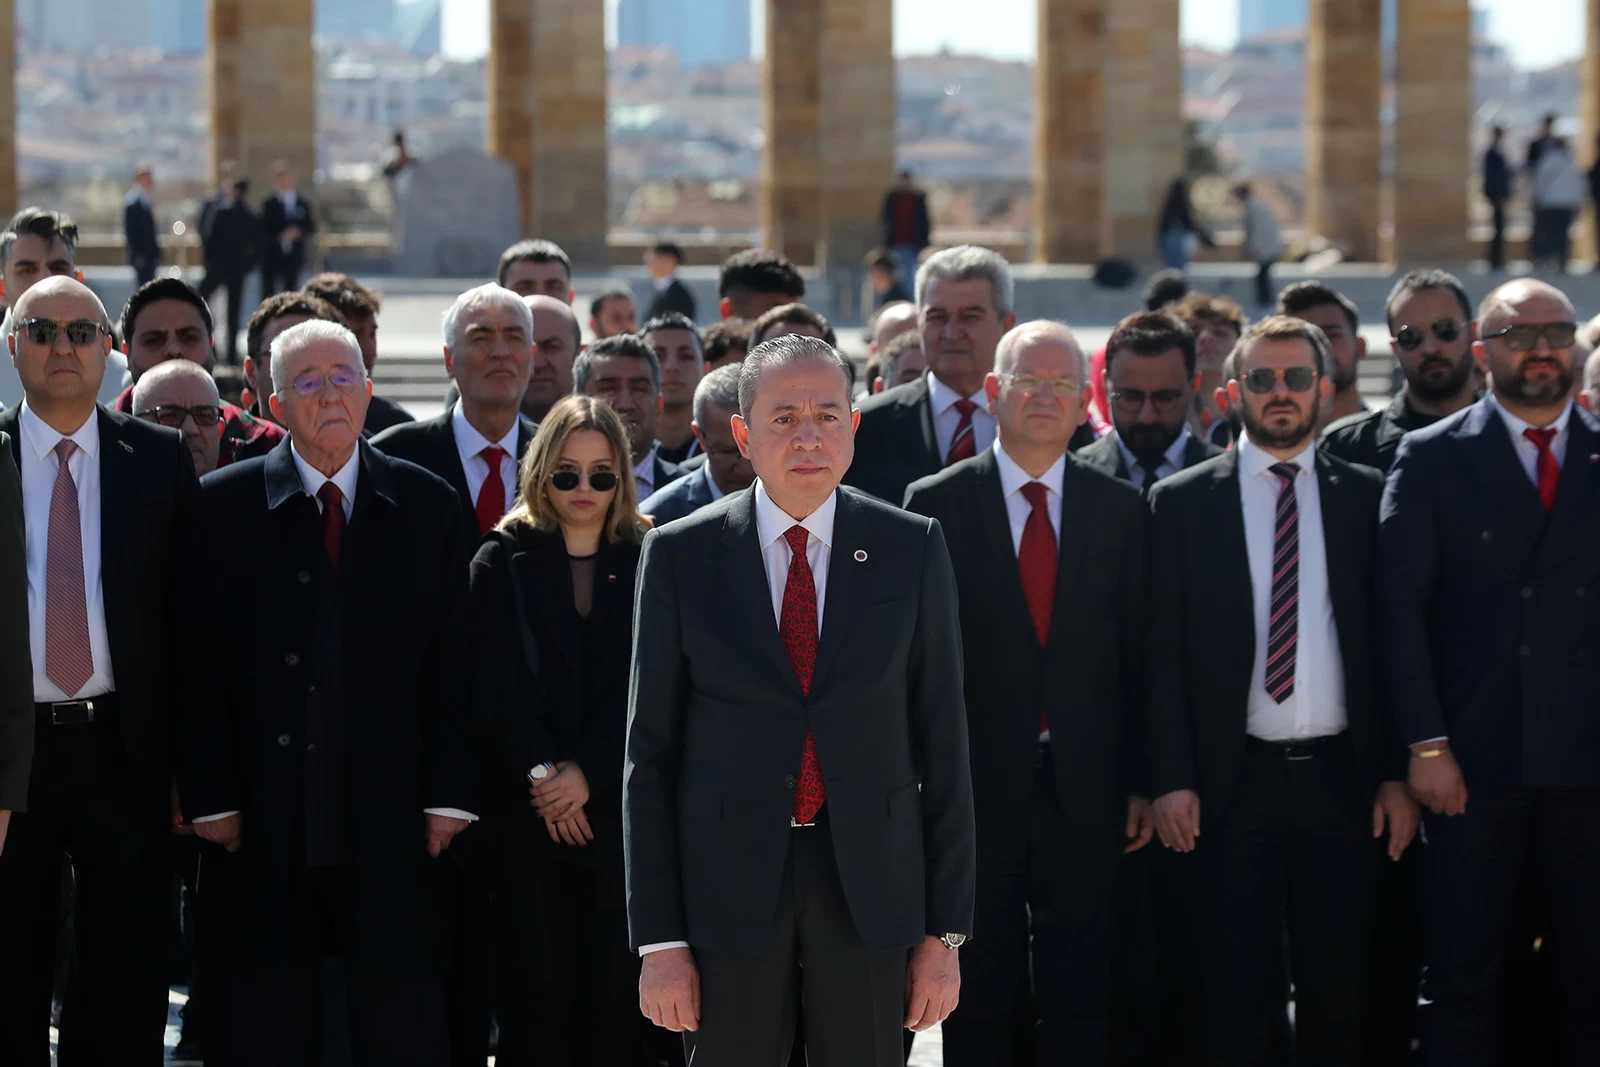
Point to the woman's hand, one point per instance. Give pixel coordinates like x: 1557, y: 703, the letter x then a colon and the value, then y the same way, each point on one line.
x: 562, y: 795
x: 574, y: 831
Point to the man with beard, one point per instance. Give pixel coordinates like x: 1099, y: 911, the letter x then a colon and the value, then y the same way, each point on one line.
x: 1262, y: 618
x: 1431, y: 330
x: 1150, y: 382
x: 624, y: 372
x: 1337, y: 316
x: 1486, y: 553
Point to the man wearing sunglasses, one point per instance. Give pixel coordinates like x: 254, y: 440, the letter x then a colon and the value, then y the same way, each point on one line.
x: 1487, y: 584
x: 181, y: 395
x: 1431, y: 329
x: 1269, y: 749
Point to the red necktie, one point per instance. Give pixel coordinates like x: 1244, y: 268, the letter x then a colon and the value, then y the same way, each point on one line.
x: 964, y: 444
x: 798, y: 628
x: 1549, y: 470
x: 492, y: 494
x: 332, y: 521
x: 1037, y: 559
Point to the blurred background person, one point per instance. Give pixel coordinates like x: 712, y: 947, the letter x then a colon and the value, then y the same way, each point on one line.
x: 287, y: 223
x: 139, y: 226
x: 613, y: 312
x: 230, y: 245
x: 907, y: 228
x: 663, y: 261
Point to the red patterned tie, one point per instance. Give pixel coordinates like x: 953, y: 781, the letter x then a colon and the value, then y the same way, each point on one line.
x: 68, y: 661
x: 798, y: 628
x: 1037, y: 559
x: 332, y: 522
x: 1549, y: 470
x: 492, y: 495
x: 964, y: 444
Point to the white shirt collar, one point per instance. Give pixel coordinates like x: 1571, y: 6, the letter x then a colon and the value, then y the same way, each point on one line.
x: 1255, y: 460
x: 470, y: 441
x: 1516, y: 425
x: 663, y: 284
x: 313, y: 479
x: 1013, y: 477
x: 772, y: 522
x: 43, y: 437
x: 941, y: 397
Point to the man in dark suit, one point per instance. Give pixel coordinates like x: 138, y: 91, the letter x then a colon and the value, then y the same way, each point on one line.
x: 797, y: 788
x: 1150, y: 381
x: 286, y: 225
x: 16, y: 667
x: 1497, y: 190
x: 1265, y: 709
x: 624, y: 372
x: 664, y: 259
x: 331, y: 764
x: 139, y: 227
x: 726, y: 470
x: 1487, y: 567
x: 1053, y: 819
x: 230, y: 241
x: 105, y: 499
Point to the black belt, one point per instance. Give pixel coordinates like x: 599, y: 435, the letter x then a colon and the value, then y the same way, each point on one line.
x: 819, y: 819
x: 1310, y: 748
x: 76, y: 712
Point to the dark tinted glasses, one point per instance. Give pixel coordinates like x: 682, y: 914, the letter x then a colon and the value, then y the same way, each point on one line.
x: 80, y: 332
x: 1408, y: 337
x: 1525, y: 338
x: 1265, y: 379
x: 173, y: 415
x: 599, y: 481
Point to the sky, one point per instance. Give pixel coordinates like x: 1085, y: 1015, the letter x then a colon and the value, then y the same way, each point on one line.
x: 1539, y: 33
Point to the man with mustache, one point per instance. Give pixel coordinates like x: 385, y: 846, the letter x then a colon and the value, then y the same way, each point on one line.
x: 1486, y: 584
x: 1431, y: 328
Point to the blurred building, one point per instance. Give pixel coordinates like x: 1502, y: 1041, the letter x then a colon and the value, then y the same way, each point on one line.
x: 355, y: 19
x: 699, y: 32
x: 178, y: 25
x: 1257, y: 17
x: 81, y: 26
x: 418, y: 26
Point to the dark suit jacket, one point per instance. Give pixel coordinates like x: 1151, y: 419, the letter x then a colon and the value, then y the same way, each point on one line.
x: 384, y: 414
x: 1202, y: 643
x: 717, y: 722
x: 401, y: 685
x: 675, y: 297
x: 678, y: 498
x: 666, y: 473
x: 1490, y: 609
x: 16, y: 655
x: 274, y: 220
x: 1088, y: 678
x: 147, y: 491
x: 1106, y: 454
x: 139, y: 230
x: 431, y: 445
x: 1371, y: 437
x: 230, y: 237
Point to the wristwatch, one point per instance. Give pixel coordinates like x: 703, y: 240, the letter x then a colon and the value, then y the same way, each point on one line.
x: 953, y: 941
x: 541, y: 772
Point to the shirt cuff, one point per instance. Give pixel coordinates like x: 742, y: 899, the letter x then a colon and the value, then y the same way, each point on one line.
x: 451, y: 813
x: 645, y: 950
x: 212, y: 818
x: 1427, y: 741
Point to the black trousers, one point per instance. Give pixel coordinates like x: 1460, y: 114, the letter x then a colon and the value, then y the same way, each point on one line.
x: 233, y: 283
x: 1264, y: 294
x: 854, y: 996
x: 1497, y: 241
x: 81, y: 802
x: 1292, y: 847
x: 280, y: 274
x: 1046, y: 905
x: 567, y: 982
x: 1396, y: 961
x: 1474, y: 862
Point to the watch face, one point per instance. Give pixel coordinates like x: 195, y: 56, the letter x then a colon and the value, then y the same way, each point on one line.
x: 539, y: 773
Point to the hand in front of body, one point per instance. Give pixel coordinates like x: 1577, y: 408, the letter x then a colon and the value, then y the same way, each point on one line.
x: 669, y: 989
x: 1141, y: 824
x: 1436, y: 780
x: 1178, y: 819
x: 933, y: 983
x: 563, y: 794
x: 224, y: 832
x: 573, y: 831
x: 1395, y: 807
x: 442, y: 829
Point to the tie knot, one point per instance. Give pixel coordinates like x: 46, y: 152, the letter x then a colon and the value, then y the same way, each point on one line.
x: 966, y: 407
x: 65, y: 448
x: 1037, y: 493
x: 492, y: 456
x: 796, y: 536
x: 330, y: 496
x: 1285, y: 471
x: 1541, y: 438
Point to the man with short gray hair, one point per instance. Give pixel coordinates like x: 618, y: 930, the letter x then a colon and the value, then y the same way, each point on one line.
x: 726, y: 470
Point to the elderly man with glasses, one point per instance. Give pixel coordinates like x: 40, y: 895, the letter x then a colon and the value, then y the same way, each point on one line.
x: 181, y: 395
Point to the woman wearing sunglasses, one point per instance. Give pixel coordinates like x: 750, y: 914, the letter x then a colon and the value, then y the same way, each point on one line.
x: 552, y: 612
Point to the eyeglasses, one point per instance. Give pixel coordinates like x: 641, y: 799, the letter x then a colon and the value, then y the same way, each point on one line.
x: 1525, y: 338
x: 1408, y: 337
x: 1059, y: 387
x: 1133, y: 401
x: 1265, y: 379
x: 80, y: 332
x: 599, y: 481
x: 343, y: 378
x: 173, y: 415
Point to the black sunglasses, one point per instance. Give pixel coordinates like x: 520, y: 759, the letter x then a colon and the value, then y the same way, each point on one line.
x: 1525, y: 338
x: 1265, y: 379
x: 599, y: 481
x: 1408, y: 337
x: 80, y: 332
x: 173, y: 415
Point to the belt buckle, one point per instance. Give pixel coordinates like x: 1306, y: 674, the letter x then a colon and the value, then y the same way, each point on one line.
x: 796, y: 824
x: 1298, y: 746
x: 86, y: 705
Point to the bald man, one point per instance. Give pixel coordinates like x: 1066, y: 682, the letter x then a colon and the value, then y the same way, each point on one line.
x: 1487, y: 582
x: 104, y: 499
x: 183, y: 396
x: 1024, y: 519
x: 557, y: 340
x: 890, y: 321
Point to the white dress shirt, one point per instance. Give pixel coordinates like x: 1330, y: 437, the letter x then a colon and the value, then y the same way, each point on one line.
x: 644, y: 474
x: 772, y: 522
x: 1171, y: 460
x: 1316, y: 708
x: 1527, y: 451
x: 946, y: 418
x: 469, y: 442
x: 39, y: 469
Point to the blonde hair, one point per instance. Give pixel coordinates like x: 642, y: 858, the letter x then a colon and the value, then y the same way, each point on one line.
x: 570, y: 415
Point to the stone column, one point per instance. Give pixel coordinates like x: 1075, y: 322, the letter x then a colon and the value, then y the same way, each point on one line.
x: 791, y: 204
x: 1343, y: 125
x: 1433, y: 169
x: 1168, y: 137
x: 1069, y: 131
x: 510, y: 100
x: 1129, y: 178
x: 8, y: 108
x: 856, y: 126
x: 263, y: 88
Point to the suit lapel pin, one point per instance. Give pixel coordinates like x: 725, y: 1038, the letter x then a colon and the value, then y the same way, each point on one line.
x: 126, y: 447
x: 1593, y: 458
x: 611, y: 577
x: 861, y: 555
x: 1333, y: 479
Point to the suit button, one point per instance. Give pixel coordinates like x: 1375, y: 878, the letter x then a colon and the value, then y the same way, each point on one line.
x: 283, y: 740
x: 304, y: 577
x: 788, y: 783
x: 1488, y: 535
x: 1525, y: 650
x: 292, y: 659
x: 311, y: 748
x: 1527, y: 593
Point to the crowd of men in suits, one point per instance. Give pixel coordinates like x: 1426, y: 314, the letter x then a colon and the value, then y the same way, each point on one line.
x: 1096, y: 705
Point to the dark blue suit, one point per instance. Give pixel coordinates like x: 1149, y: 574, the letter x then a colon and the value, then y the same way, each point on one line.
x: 678, y: 498
x: 1490, y: 621
x: 139, y: 233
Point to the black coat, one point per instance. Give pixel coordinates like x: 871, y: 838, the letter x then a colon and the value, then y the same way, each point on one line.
x: 675, y: 297
x: 717, y: 723
x: 683, y: 496
x: 1106, y: 455
x: 16, y: 657
x: 274, y: 220
x: 1088, y: 677
x: 1491, y: 608
x: 230, y: 237
x: 1371, y: 437
x: 139, y: 229
x: 384, y: 414
x: 401, y: 598
x: 1202, y: 644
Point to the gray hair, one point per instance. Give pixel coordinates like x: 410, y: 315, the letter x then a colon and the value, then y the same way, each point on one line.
x: 719, y: 389
x: 1039, y: 331
x: 780, y: 352
x: 965, y: 263
x: 162, y: 372
x: 298, y: 338
x: 488, y: 295
x: 1286, y: 328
